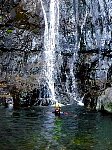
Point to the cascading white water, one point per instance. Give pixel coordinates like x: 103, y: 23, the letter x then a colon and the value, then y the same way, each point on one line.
x: 50, y: 43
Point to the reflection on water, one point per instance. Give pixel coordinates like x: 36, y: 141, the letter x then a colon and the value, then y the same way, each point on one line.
x: 39, y: 129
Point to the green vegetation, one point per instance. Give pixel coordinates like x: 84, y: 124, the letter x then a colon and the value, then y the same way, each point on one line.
x: 108, y: 106
x: 9, y: 31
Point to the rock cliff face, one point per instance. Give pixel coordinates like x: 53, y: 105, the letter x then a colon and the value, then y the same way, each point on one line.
x: 22, y: 25
x: 82, y: 55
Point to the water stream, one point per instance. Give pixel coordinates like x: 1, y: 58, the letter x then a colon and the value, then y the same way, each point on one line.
x: 50, y: 43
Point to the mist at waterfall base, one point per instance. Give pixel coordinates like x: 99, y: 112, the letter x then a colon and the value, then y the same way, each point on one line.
x: 39, y: 129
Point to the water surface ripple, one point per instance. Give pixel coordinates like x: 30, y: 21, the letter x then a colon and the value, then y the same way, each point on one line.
x: 39, y: 129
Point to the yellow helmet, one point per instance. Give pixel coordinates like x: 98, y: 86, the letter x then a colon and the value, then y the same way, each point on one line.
x: 57, y: 104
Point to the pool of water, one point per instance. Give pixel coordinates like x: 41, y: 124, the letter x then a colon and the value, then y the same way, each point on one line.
x: 39, y: 129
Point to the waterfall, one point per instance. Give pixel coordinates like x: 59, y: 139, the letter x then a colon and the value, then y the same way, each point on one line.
x: 46, y: 32
x: 50, y: 43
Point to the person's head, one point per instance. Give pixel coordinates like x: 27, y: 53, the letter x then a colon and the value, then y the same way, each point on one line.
x: 60, y: 108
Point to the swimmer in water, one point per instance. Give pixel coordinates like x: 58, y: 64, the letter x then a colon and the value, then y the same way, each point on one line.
x: 57, y: 108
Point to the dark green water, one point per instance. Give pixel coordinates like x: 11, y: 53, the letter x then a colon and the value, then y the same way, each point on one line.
x: 39, y: 129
